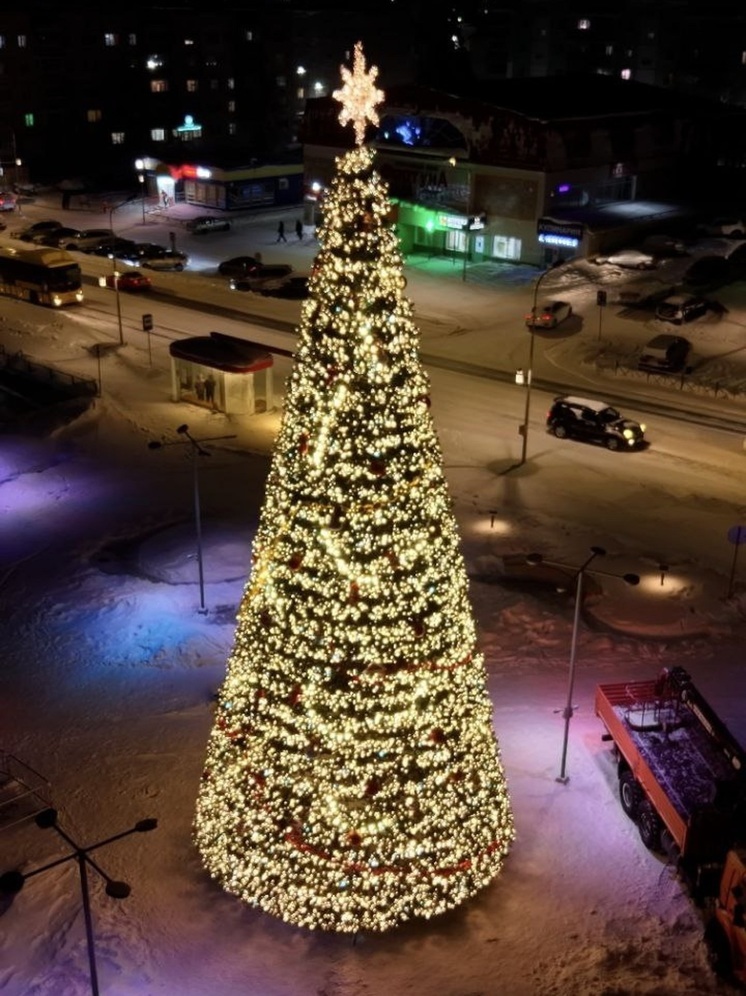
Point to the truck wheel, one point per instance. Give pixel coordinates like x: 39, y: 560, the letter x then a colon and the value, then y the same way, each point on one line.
x: 630, y: 795
x: 649, y: 825
x: 718, y: 950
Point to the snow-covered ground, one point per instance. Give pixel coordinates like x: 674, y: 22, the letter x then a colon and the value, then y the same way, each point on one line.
x: 108, y: 673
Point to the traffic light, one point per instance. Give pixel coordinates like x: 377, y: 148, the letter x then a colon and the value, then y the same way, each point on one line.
x: 147, y: 323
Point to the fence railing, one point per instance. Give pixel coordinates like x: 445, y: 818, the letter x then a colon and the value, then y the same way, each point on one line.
x: 65, y: 382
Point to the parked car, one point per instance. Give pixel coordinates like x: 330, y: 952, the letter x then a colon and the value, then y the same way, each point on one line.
x: 294, y: 287
x: 57, y: 238
x: 663, y: 246
x: 263, y: 278
x: 732, y: 228
x: 595, y: 422
x: 708, y: 271
x: 679, y: 308
x: 116, y: 248
x: 630, y: 259
x: 165, y: 259
x: 208, y: 223
x: 548, y: 315
x: 238, y: 266
x: 130, y: 280
x: 8, y: 200
x: 91, y: 239
x: 27, y: 234
x: 665, y: 354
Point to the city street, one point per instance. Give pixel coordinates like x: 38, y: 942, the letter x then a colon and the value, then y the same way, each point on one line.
x: 109, y: 669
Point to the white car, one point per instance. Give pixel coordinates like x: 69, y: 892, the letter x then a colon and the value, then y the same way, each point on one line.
x: 630, y: 259
x: 548, y: 315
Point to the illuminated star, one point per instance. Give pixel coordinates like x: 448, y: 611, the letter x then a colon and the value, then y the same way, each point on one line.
x: 359, y: 96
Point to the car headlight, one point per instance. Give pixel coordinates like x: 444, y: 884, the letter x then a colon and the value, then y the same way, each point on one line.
x: 642, y: 427
x: 628, y: 434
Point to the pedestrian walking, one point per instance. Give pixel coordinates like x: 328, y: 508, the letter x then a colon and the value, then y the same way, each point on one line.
x: 299, y: 230
x: 210, y: 389
x: 199, y: 387
x: 281, y: 232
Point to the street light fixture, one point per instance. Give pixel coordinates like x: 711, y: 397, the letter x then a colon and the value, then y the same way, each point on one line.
x: 13, y: 881
x: 140, y: 167
x: 534, y: 559
x: 197, y: 449
x: 529, y: 373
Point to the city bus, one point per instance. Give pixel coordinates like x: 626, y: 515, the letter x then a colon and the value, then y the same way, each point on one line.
x: 41, y: 276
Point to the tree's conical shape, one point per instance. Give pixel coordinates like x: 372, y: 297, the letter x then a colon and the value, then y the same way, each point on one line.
x: 353, y: 779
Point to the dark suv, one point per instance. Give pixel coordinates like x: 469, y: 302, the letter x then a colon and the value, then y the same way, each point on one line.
x: 594, y: 421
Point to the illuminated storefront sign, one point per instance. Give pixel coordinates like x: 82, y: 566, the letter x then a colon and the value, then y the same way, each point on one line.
x: 559, y: 233
x: 460, y: 221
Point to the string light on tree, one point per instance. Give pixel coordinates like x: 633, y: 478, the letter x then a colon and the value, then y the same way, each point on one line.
x: 353, y: 779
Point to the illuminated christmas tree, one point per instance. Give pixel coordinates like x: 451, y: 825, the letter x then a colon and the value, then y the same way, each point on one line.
x: 353, y: 779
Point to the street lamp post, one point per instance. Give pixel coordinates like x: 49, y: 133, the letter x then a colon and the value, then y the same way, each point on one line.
x: 140, y: 167
x: 530, y: 370
x: 13, y: 881
x: 534, y: 559
x: 197, y: 450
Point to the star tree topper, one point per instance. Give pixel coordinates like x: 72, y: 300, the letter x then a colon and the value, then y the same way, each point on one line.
x: 358, y: 96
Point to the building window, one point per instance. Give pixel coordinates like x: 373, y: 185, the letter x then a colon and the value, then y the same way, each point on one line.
x: 214, y: 84
x: 22, y: 41
x: 281, y: 81
x: 117, y: 138
x: 584, y: 24
x: 743, y: 58
x: 282, y: 183
x: 609, y: 49
x: 93, y: 115
x: 158, y: 86
x: 110, y: 40
x: 132, y: 39
x: 28, y: 120
x: 249, y: 36
x: 231, y: 106
x: 231, y: 83
x: 191, y: 86
x: 506, y: 247
x: 2, y: 41
x: 626, y: 74
x: 300, y: 93
x: 232, y: 128
x: 158, y: 134
x: 188, y: 41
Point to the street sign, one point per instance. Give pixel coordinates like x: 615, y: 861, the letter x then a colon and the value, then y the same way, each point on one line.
x: 147, y: 323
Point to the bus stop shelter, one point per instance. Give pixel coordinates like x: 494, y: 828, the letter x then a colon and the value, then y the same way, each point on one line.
x: 222, y: 373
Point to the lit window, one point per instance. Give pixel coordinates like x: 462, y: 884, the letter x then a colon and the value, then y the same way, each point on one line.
x: 584, y: 24
x: 153, y: 62
x: 626, y: 74
x: 743, y: 58
x: 28, y: 120
x: 93, y: 115
x: 2, y: 41
x: 230, y: 83
x: 232, y: 128
x: 132, y: 39
x: 300, y: 93
x: 117, y: 138
x: 231, y: 106
x: 609, y: 50
x: 191, y: 86
x: 318, y: 88
x: 22, y: 41
x: 188, y: 41
x: 651, y: 35
x: 506, y: 247
x: 110, y: 40
x: 282, y: 183
x: 158, y: 86
x: 249, y: 36
x: 158, y: 134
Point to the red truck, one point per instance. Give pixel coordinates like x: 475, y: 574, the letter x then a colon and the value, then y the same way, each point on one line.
x: 682, y: 779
